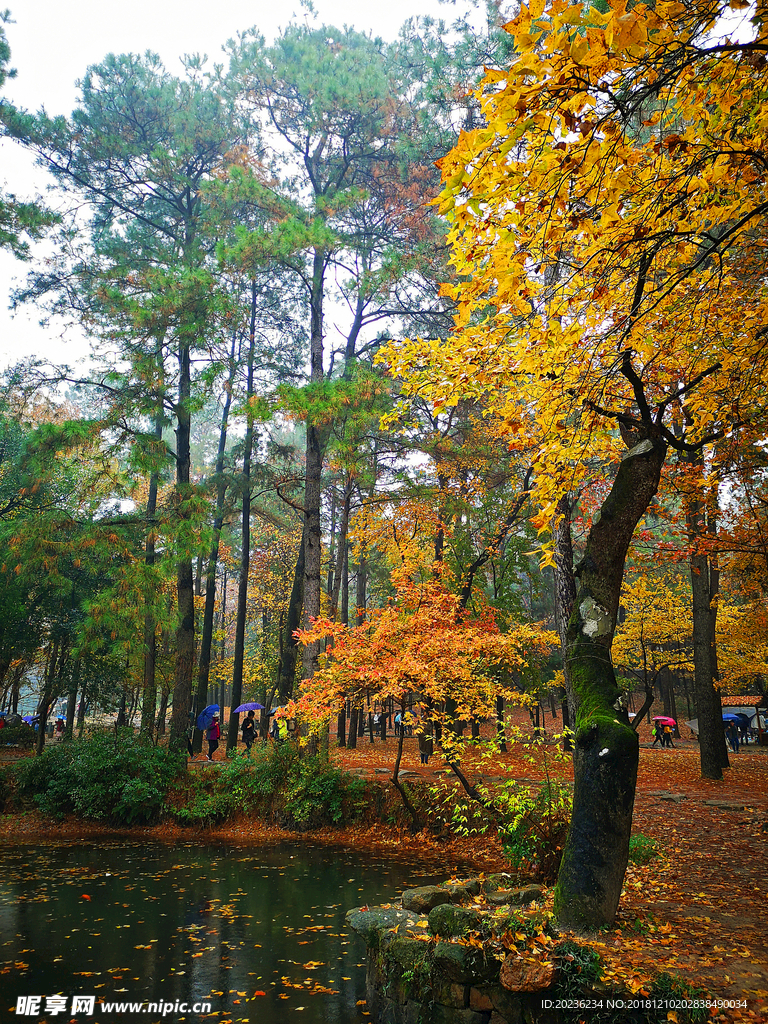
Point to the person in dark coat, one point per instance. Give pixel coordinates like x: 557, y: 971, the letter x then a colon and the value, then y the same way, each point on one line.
x: 426, y: 744
x: 213, y: 737
x: 248, y: 729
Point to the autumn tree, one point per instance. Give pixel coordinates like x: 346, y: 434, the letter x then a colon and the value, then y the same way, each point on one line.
x: 603, y: 218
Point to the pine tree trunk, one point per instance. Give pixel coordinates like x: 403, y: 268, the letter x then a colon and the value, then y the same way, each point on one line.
x: 245, y: 547
x: 315, y: 450
x: 149, y: 686
x: 206, y: 642
x: 185, y: 588
x: 289, y: 645
x: 606, y: 749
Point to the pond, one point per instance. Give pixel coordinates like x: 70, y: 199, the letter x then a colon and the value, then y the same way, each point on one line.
x: 257, y: 932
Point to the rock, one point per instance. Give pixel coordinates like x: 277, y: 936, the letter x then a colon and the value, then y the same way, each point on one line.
x: 410, y: 954
x: 447, y: 920
x: 497, y: 881
x: 450, y: 993
x: 515, y: 897
x: 463, y: 890
x: 726, y: 805
x: 424, y: 899
x: 466, y: 964
x: 518, y: 975
x: 372, y: 923
x: 382, y: 771
x: 675, y: 798
x: 405, y: 772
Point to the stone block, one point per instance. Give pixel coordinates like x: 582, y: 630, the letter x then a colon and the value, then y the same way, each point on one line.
x: 463, y: 890
x: 448, y: 920
x: 479, y: 999
x: 449, y: 993
x: 464, y: 963
x: 422, y: 900
x: 377, y: 923
x: 519, y: 975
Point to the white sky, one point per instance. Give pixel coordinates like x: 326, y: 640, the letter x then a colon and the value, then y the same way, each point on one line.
x: 52, y: 43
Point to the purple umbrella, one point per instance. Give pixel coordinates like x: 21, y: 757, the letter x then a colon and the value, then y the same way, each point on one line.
x: 250, y: 706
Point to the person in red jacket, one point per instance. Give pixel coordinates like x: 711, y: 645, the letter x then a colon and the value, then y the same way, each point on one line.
x: 213, y: 737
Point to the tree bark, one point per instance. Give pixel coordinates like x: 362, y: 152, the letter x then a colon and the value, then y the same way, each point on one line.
x: 245, y: 546
x: 606, y: 748
x: 565, y: 595
x: 708, y: 707
x: 289, y: 644
x: 149, y: 686
x: 206, y: 642
x: 315, y: 451
x: 185, y: 631
x: 352, y: 738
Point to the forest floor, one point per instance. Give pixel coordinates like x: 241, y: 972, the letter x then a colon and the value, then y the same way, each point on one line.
x: 699, y: 910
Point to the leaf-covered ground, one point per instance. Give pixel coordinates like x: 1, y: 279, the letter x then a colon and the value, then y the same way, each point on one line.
x: 699, y: 910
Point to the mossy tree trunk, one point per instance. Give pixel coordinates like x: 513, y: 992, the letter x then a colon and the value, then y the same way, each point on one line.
x: 606, y: 748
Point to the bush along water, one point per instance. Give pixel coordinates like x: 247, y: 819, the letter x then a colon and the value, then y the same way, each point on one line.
x: 276, y: 784
x: 111, y: 777
x: 115, y: 777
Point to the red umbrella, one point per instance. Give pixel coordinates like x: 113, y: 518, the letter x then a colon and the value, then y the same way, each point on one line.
x: 664, y: 720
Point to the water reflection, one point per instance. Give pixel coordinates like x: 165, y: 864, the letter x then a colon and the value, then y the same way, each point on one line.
x: 256, y: 931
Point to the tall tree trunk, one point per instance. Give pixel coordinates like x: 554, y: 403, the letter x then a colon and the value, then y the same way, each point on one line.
x: 361, y: 597
x: 565, y: 595
x: 69, y: 727
x: 708, y: 706
x: 339, y: 573
x: 501, y: 731
x: 206, y: 642
x: 345, y: 586
x: 352, y: 739
x: 289, y: 644
x: 185, y: 591
x: 149, y: 687
x: 714, y: 604
x: 341, y: 728
x: 606, y: 749
x: 245, y: 550
x: 316, y: 439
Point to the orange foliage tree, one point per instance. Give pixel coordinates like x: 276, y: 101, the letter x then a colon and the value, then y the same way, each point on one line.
x: 608, y: 232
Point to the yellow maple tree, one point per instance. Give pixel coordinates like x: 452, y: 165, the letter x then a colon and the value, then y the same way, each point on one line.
x: 608, y: 232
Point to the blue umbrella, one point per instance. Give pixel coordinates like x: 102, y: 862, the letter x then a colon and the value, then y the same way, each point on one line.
x: 731, y: 718
x: 205, y: 717
x: 31, y: 719
x: 250, y: 706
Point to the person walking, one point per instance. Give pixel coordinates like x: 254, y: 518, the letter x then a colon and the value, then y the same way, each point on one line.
x: 656, y: 733
x: 248, y: 729
x: 667, y: 738
x: 426, y: 745
x: 213, y: 737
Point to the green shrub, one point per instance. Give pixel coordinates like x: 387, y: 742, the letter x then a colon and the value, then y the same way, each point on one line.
x: 17, y: 736
x: 579, y: 968
x: 107, y: 777
x: 535, y: 828
x: 276, y: 784
x: 316, y: 794
x: 668, y: 989
x: 642, y: 849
